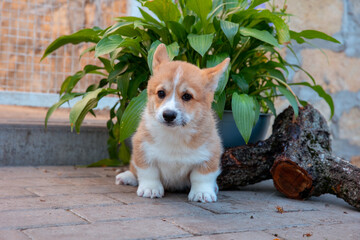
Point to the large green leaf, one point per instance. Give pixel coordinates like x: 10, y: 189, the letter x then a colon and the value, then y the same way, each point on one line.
x: 201, y: 43
x: 321, y: 92
x: 71, y: 81
x: 105, y: 163
x: 124, y: 153
x: 282, y: 29
x: 178, y: 30
x: 149, y: 18
x: 165, y: 10
x: 291, y: 98
x: 202, y: 8
x: 172, y: 51
x: 243, y: 108
x: 108, y: 44
x: 241, y: 82
x: 82, y: 107
x: 230, y: 29
x: 219, y: 104
x: 84, y: 35
x: 132, y: 115
x: 264, y: 36
x: 256, y: 3
x: 312, y: 34
x: 67, y: 97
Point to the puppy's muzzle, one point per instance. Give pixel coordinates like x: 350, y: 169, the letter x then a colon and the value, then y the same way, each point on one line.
x: 169, y: 116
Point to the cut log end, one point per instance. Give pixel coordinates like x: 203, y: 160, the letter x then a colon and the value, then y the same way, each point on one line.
x: 291, y: 180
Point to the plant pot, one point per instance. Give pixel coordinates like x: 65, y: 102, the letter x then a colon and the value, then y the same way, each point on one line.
x: 230, y: 134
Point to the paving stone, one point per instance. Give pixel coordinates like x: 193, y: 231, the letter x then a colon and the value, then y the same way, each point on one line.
x: 81, y: 189
x: 66, y: 201
x: 12, y: 234
x: 37, y: 218
x: 149, y: 210
x: 140, y: 229
x: 328, y: 232
x: 225, y: 223
x: 20, y: 172
x: 234, y: 236
x: 132, y: 198
x: 11, y: 192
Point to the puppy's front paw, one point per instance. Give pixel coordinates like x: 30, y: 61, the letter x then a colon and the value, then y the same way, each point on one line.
x: 199, y: 195
x: 150, y: 190
x: 126, y: 178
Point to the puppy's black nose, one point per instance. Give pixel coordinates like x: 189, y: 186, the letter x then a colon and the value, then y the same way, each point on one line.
x: 169, y: 115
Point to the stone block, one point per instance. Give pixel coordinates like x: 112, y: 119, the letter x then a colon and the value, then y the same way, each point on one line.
x: 138, y: 211
x: 334, y: 72
x: 350, y: 126
x: 55, y: 202
x: 139, y: 229
x: 329, y: 232
x: 325, y: 15
x: 233, y: 236
x: 37, y: 218
x: 12, y: 234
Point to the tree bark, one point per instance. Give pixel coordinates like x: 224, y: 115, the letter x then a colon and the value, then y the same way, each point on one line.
x: 298, y: 158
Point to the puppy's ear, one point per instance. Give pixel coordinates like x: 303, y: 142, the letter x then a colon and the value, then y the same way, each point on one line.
x: 213, y: 74
x: 160, y: 56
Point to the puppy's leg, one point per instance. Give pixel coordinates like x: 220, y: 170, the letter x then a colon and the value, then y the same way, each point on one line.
x: 203, y: 186
x: 127, y: 177
x: 149, y: 182
x: 203, y: 181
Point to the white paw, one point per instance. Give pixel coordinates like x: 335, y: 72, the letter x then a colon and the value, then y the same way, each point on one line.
x: 126, y: 178
x: 198, y: 195
x: 150, y: 190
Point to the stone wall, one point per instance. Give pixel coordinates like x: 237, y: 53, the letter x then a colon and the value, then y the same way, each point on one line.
x: 27, y: 27
x: 337, y: 68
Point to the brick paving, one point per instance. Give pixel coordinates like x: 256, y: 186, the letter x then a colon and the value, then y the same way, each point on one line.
x: 84, y: 203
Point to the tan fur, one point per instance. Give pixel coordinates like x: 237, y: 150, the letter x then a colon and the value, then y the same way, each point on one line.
x: 201, y: 130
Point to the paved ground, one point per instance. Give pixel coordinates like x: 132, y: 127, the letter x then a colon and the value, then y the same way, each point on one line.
x: 83, y: 203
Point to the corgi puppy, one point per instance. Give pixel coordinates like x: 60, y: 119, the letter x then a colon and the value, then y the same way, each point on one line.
x: 176, y: 145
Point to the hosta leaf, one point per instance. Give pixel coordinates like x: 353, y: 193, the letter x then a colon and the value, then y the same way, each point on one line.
x: 219, y: 104
x: 149, y: 18
x: 81, y: 108
x: 105, y: 163
x: 264, y: 36
x: 270, y: 105
x: 201, y: 43
x: 165, y: 10
x: 256, y: 3
x: 230, y: 29
x: 172, y: 50
x: 178, y: 30
x: 321, y: 92
x: 67, y: 97
x: 291, y: 98
x: 84, y: 35
x: 241, y: 82
x: 201, y: 7
x: 89, y: 49
x: 312, y: 34
x: 107, y: 45
x: 124, y: 153
x: 132, y: 115
x: 244, y: 114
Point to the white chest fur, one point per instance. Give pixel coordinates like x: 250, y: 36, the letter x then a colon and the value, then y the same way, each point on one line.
x: 173, y: 157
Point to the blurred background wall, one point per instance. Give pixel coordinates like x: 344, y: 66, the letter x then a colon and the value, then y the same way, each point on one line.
x: 28, y: 26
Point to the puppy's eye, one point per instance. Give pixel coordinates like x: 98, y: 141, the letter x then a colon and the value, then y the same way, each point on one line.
x: 186, y: 97
x: 161, y: 94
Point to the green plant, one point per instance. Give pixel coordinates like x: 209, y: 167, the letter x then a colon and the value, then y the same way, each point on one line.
x: 202, y: 32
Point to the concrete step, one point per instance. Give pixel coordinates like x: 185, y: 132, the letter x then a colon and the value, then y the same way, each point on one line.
x: 25, y: 142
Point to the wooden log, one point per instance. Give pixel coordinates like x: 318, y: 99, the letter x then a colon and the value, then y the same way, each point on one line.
x: 298, y: 158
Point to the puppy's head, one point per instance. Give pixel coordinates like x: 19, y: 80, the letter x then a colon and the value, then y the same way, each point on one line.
x: 178, y: 92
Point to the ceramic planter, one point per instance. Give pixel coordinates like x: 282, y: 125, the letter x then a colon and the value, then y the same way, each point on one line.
x: 230, y: 134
